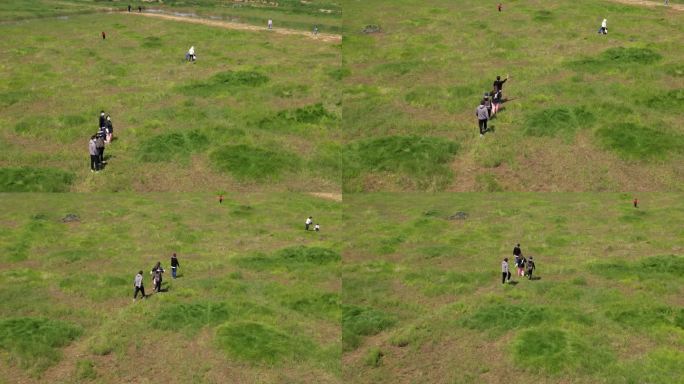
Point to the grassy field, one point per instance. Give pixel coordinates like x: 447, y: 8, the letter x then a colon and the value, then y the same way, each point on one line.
x: 423, y: 300
x: 257, y: 298
x: 258, y: 111
x: 294, y: 14
x: 586, y: 112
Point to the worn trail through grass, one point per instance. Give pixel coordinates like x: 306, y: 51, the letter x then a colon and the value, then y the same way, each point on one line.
x: 326, y: 37
x: 677, y: 7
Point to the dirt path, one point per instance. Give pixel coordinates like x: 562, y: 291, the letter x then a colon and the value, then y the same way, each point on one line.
x: 678, y: 7
x: 327, y: 196
x: 326, y: 37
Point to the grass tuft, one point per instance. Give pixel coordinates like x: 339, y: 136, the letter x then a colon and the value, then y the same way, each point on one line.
x: 29, y: 179
x: 250, y: 163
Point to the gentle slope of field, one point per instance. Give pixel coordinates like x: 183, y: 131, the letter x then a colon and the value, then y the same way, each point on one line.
x: 586, y: 112
x: 258, y: 111
x: 257, y: 298
x: 423, y: 300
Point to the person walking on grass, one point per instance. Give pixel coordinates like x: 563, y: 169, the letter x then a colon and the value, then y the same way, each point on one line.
x: 270, y: 24
x: 315, y: 30
x: 129, y: 7
x: 139, y: 287
x: 505, y: 273
x: 174, y: 265
x: 530, y: 267
x: 102, y: 120
x: 521, y: 266
x: 156, y: 273
x: 666, y: 3
x: 94, y: 157
x: 317, y: 228
x: 104, y: 36
x: 307, y: 223
x: 100, y: 144
x: 482, y: 117
x: 604, y: 27
x: 636, y: 203
x: 498, y: 86
x: 517, y: 253
x: 109, y: 129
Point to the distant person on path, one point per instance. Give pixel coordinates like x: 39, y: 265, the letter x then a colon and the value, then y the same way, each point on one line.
x: 499, y: 7
x: 156, y: 273
x: 109, y: 129
x: 139, y: 9
x: 315, y: 30
x: 530, y: 267
x: 482, y: 117
x: 94, y: 157
x: 100, y: 145
x: 104, y: 36
x: 317, y: 228
x: 220, y: 199
x: 498, y: 86
x: 138, y: 283
x: 307, y: 223
x: 666, y: 3
x: 270, y: 24
x: 604, y: 27
x: 636, y: 203
x: 174, y: 265
x: 129, y: 7
x: 505, y: 274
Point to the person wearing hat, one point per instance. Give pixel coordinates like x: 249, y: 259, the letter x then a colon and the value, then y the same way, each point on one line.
x: 530, y: 267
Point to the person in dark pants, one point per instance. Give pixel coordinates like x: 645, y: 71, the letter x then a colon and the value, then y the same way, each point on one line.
x: 102, y: 120
x: 104, y: 35
x: 139, y: 287
x: 156, y: 273
x: 517, y: 251
x: 498, y: 85
x: 100, y: 145
x: 109, y: 129
x: 174, y: 265
x: 482, y: 117
x: 636, y: 203
x: 94, y: 158
x: 129, y: 7
x: 139, y: 9
x: 308, y: 223
x: 530, y: 267
x: 505, y: 273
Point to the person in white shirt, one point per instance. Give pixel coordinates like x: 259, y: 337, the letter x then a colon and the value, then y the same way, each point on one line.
x: 270, y: 24
x: 307, y: 223
x: 604, y: 27
x: 190, y: 56
x: 317, y: 228
x: 505, y: 273
x: 138, y: 283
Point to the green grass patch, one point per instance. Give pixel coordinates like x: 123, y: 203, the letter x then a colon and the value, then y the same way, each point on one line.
x: 166, y: 147
x: 245, y: 162
x: 362, y: 321
x: 556, y: 351
x: 291, y: 258
x: 224, y: 82
x: 425, y: 159
x: 558, y: 121
x: 34, y: 342
x: 632, y: 141
x: 30, y: 179
x: 260, y: 343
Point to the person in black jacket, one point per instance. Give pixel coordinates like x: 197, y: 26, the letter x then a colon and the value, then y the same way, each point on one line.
x: 530, y: 267
x: 156, y: 273
x: 498, y: 84
x: 174, y: 265
x: 102, y: 120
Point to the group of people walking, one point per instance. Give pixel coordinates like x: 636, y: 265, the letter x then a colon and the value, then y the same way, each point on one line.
x: 98, y: 141
x: 157, y: 273
x: 524, y: 267
x: 490, y: 104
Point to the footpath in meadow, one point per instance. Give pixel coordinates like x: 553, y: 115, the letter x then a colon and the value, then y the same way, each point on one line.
x: 326, y: 37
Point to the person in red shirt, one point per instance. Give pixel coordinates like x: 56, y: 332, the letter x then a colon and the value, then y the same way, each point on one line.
x: 636, y: 203
x: 220, y: 199
x: 499, y: 7
x: 104, y: 36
